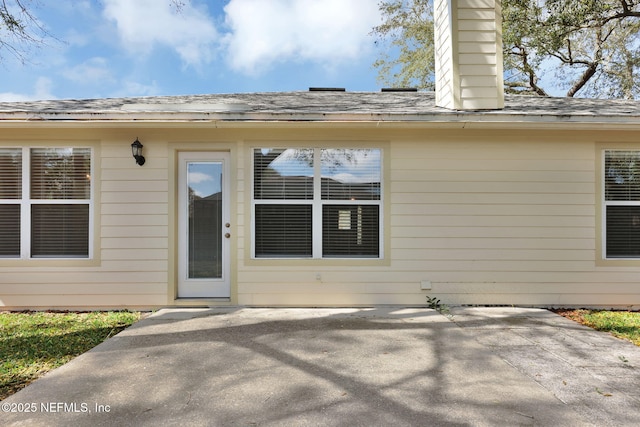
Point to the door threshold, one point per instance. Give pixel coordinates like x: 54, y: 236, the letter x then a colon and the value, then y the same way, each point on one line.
x: 202, y: 302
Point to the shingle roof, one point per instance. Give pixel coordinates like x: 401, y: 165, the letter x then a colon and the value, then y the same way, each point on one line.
x: 320, y: 106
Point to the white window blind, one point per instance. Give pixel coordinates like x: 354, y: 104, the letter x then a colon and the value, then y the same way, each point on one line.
x: 283, y: 231
x: 351, y: 177
x: 60, y: 230
x: 281, y: 174
x: 317, y: 203
x: 10, y: 174
x: 45, y: 196
x: 60, y: 173
x: 10, y: 195
x: 622, y: 204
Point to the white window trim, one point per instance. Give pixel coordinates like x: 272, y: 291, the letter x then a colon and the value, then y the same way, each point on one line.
x: 26, y: 202
x: 606, y: 203
x: 317, y: 204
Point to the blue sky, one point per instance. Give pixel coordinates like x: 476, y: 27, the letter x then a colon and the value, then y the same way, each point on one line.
x: 118, y: 48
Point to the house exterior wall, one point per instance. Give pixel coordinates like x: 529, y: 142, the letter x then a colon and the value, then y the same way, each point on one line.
x: 485, y: 216
x: 129, y: 267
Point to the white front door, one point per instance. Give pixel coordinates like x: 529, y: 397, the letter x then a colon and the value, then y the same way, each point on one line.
x: 203, y: 225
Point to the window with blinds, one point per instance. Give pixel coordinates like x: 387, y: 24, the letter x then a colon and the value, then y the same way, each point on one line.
x: 317, y: 203
x: 45, y: 200
x: 622, y: 204
x: 10, y: 201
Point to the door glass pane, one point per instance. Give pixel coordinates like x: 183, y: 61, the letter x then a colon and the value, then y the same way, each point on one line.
x: 204, y: 180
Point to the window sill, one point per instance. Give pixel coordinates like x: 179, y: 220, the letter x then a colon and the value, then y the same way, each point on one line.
x: 318, y: 262
x: 49, y: 262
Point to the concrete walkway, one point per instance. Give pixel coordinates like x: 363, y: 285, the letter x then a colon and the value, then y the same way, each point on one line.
x: 342, y: 367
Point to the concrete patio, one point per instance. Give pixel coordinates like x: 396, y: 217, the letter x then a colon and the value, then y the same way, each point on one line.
x: 342, y: 367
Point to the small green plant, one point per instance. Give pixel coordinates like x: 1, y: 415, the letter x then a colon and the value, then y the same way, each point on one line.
x: 435, y: 304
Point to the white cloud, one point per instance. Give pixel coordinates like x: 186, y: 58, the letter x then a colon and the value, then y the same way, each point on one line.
x: 131, y: 88
x: 93, y: 71
x: 323, y: 31
x: 41, y: 90
x: 199, y: 177
x: 77, y: 38
x: 363, y: 167
x: 143, y: 24
x: 200, y: 184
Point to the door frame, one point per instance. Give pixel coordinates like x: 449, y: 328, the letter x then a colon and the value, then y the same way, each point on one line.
x: 187, y: 288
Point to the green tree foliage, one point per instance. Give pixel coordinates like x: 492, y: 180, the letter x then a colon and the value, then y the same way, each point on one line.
x: 407, y: 31
x: 581, y: 47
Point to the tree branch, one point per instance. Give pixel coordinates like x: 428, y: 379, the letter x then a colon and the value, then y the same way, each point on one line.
x: 586, y: 76
x: 529, y: 71
x: 22, y: 29
x: 591, y: 69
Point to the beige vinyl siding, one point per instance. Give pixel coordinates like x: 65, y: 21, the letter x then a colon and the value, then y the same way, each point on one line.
x: 509, y: 220
x: 129, y: 268
x: 488, y: 217
x: 134, y: 222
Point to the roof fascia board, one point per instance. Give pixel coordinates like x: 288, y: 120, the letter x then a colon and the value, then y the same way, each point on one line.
x: 439, y: 121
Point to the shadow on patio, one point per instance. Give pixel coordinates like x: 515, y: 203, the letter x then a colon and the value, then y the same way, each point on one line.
x: 330, y: 367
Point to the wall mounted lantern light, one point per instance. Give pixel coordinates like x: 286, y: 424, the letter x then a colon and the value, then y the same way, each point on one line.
x: 136, y: 150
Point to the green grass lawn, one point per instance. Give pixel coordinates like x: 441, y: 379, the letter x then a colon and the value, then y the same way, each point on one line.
x: 622, y: 324
x: 33, y: 343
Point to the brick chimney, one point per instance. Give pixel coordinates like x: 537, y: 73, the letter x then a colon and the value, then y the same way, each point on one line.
x: 468, y: 50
